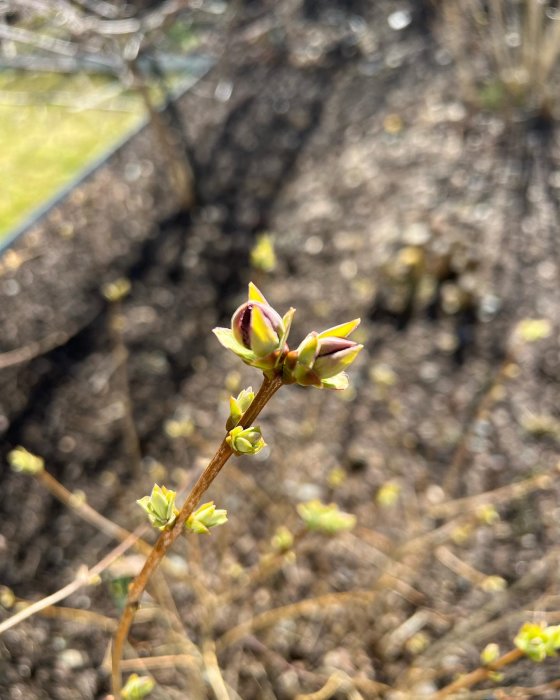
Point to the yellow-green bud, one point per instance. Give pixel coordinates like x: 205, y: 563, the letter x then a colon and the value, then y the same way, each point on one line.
x: 325, y: 518
x: 245, y: 441
x: 533, y: 329
x: 160, y: 507
x: 206, y: 517
x: 238, y: 406
x: 263, y: 256
x: 137, y: 687
x: 489, y: 654
x: 283, y: 540
x: 388, y: 494
x: 117, y: 290
x: 23, y: 461
x: 538, y: 641
x: 492, y: 584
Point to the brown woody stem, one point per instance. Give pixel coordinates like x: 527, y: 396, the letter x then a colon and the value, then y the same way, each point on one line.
x: 479, y: 674
x: 268, y: 388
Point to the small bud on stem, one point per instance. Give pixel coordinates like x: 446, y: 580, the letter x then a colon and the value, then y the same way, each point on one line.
x: 160, y: 507
x: 246, y: 441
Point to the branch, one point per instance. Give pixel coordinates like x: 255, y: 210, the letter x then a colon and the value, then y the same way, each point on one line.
x: 268, y: 388
x: 83, y: 578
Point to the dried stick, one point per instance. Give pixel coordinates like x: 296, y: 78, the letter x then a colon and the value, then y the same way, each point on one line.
x: 261, y: 570
x: 335, y: 682
x: 121, y: 354
x: 87, y: 617
x: 213, y: 673
x: 157, y: 662
x: 37, y: 347
x: 503, y: 494
x: 268, y: 388
x: 302, y: 607
x: 482, y: 403
x: 83, y: 578
x: 89, y: 514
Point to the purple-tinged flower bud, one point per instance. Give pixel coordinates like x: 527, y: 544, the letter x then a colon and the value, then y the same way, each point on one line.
x: 321, y: 358
x: 335, y: 354
x: 258, y: 333
x: 257, y: 327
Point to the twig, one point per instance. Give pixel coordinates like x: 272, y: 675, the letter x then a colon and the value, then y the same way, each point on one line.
x: 333, y: 684
x: 87, y: 617
x: 481, y: 405
x: 517, y: 691
x: 120, y: 354
x: 157, y: 662
x: 446, y: 557
x: 82, y: 23
x: 302, y: 607
x: 466, y: 630
x: 89, y: 514
x: 213, y: 673
x: 35, y: 349
x: 261, y: 570
x: 478, y: 675
x: 180, y: 171
x: 268, y: 388
x: 503, y: 494
x: 83, y: 578
x: 41, y: 41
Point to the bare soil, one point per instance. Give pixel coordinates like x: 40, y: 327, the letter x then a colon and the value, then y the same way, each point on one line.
x: 388, y: 199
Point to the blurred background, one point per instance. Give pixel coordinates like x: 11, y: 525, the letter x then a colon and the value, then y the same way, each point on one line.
x: 393, y: 160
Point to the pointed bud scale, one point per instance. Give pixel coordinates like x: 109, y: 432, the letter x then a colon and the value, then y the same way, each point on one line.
x: 206, y: 517
x: 238, y: 406
x: 308, y: 350
x: 341, y: 331
x: 247, y: 441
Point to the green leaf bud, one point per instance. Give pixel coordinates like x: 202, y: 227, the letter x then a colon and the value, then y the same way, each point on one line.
x: 238, y: 406
x: 245, y: 441
x: 263, y: 256
x: 325, y: 518
x: 489, y: 654
x: 160, y: 507
x: 23, y: 461
x: 321, y: 358
x: 258, y: 333
x: 138, y: 687
x: 491, y: 584
x: 116, y: 290
x: 283, y: 540
x: 537, y: 641
x: 206, y: 517
x: 530, y: 330
x: 388, y: 494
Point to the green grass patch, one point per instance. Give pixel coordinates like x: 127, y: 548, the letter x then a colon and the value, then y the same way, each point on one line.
x: 53, y: 126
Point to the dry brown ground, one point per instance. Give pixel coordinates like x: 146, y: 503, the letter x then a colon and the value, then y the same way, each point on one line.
x: 388, y: 200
